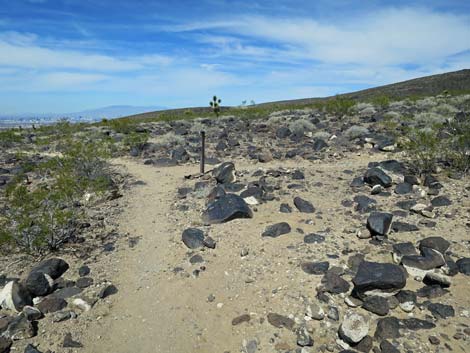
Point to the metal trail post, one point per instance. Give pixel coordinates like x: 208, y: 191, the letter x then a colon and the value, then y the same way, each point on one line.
x: 203, y: 150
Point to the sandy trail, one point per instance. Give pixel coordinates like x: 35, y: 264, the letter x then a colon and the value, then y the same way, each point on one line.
x: 158, y: 310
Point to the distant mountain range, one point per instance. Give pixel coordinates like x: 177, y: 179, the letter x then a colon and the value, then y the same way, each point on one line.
x: 114, y: 111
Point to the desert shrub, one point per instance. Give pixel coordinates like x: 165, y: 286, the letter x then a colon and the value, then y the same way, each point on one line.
x: 136, y: 141
x: 339, y: 105
x: 300, y: 126
x: 382, y: 101
x: 426, y: 103
x: 423, y: 148
x: 323, y: 135
x: 457, y: 152
x: 361, y: 106
x: 429, y: 119
x: 170, y: 138
x: 275, y: 120
x: 356, y: 131
x: 38, y: 220
x: 8, y: 138
x: 367, y: 112
x: 445, y: 109
x: 41, y: 217
x: 392, y: 115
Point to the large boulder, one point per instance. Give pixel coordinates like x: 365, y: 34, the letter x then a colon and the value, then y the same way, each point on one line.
x: 464, y: 265
x: 376, y: 176
x: 379, y: 223
x: 224, y: 173
x: 14, y: 296
x: 436, y: 243
x: 39, y: 284
x: 226, y: 208
x: 378, y: 278
x: 54, y: 267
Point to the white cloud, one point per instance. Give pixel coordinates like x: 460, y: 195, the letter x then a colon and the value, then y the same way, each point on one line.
x: 21, y: 50
x: 388, y: 37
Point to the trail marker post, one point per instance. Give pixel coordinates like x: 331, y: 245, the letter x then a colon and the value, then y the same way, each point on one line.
x: 203, y: 152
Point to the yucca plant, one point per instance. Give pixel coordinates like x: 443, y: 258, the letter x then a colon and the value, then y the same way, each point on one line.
x: 215, y: 105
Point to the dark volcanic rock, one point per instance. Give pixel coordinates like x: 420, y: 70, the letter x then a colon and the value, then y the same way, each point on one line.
x: 241, y: 319
x: 315, y: 268
x: 283, y: 132
x: 70, y: 343
x: 441, y: 201
x: 224, y: 173
x: 193, y: 238
x: 404, y: 249
x: 387, y: 347
x: 226, y: 208
x: 83, y: 271
x: 319, y: 144
x: 376, y: 176
x: 37, y: 284
x: 5, y: 344
x: 436, y: 243
x: 431, y: 291
x: 334, y: 283
x: 19, y: 329
x: 30, y: 349
x: 464, y: 265
x: 54, y: 267
x: 84, y: 282
x: 313, y: 238
x: 280, y: 321
x: 399, y: 227
x: 430, y: 259
x: 415, y: 324
x: 403, y: 188
x: 303, y: 205
x: 51, y: 305
x: 377, y: 305
x: 107, y: 291
x: 364, y: 203
x: 441, y: 311
x: 357, y: 182
x: 66, y: 292
x: 379, y: 223
x: 382, y: 276
x: 276, y: 230
x: 285, y: 208
x: 387, y: 327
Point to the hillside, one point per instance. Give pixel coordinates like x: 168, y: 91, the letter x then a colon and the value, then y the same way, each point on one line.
x: 457, y: 81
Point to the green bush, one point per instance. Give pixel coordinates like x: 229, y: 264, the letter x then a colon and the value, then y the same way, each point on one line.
x: 8, y: 138
x: 381, y: 101
x: 339, y: 105
x: 423, y: 148
x: 136, y: 141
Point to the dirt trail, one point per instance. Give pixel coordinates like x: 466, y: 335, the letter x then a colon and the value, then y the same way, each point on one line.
x: 160, y: 310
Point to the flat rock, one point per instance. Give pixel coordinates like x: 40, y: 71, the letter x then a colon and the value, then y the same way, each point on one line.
x: 277, y: 230
x: 315, y: 268
x: 303, y: 205
x: 226, y: 208
x: 70, y: 343
x: 441, y: 311
x: 53, y: 267
x: 415, y: 324
x: 374, y: 176
x: 334, y: 283
x: 19, y: 329
x: 441, y: 201
x: 379, y: 223
x: 313, y: 238
x: 281, y: 321
x: 377, y: 305
x: 403, y: 188
x: 30, y: 349
x: 400, y: 227
x: 436, y: 243
x: 429, y: 260
x: 387, y: 327
x: 241, y: 319
x: 364, y: 204
x: 354, y: 327
x: 373, y: 276
x: 108, y: 290
x: 193, y: 238
x: 51, y: 305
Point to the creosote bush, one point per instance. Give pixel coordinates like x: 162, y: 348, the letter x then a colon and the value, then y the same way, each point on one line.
x: 40, y: 217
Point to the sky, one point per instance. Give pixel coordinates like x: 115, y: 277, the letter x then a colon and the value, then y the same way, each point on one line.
x: 70, y: 55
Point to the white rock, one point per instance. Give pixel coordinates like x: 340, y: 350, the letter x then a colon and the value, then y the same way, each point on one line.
x: 251, y: 200
x: 315, y: 311
x: 354, y: 327
x: 14, y: 297
x: 81, y: 304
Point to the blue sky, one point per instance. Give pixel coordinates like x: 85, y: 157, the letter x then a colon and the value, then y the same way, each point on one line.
x: 71, y: 55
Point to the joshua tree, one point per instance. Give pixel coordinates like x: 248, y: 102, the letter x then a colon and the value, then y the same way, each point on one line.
x: 215, y: 104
